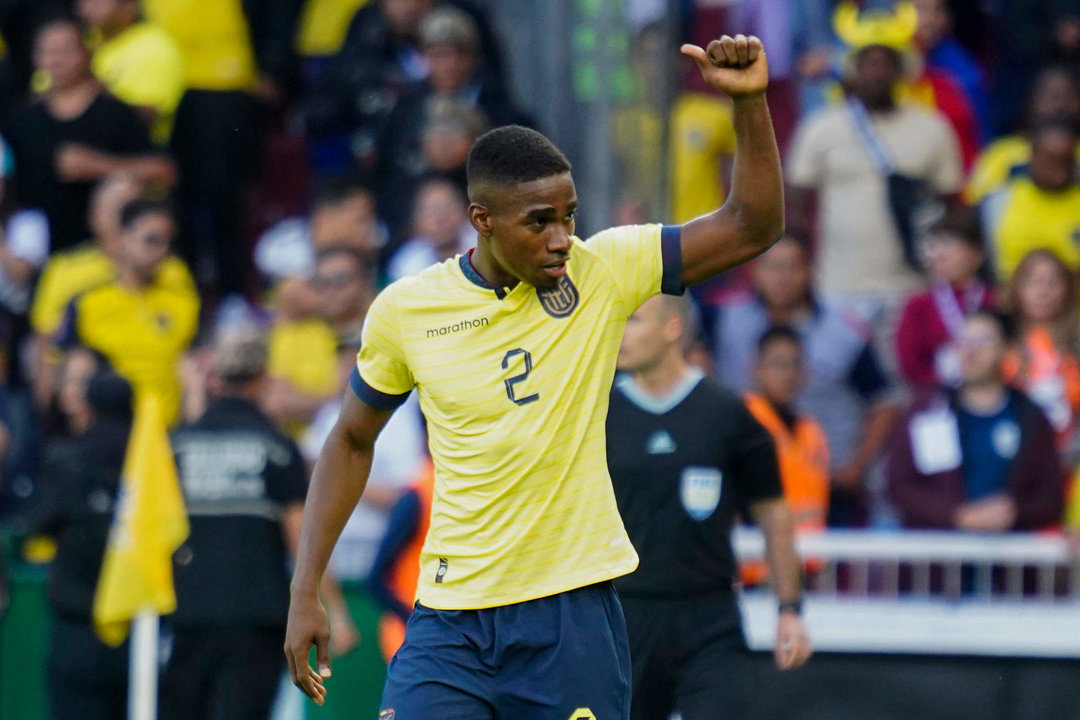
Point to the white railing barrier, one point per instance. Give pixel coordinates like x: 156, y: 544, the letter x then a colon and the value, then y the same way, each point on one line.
x: 930, y: 592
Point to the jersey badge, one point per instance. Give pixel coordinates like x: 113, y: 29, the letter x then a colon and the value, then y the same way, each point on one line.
x: 660, y: 443
x: 561, y: 301
x: 699, y: 490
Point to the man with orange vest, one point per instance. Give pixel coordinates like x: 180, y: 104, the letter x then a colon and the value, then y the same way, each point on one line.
x: 393, y: 576
x: 801, y: 448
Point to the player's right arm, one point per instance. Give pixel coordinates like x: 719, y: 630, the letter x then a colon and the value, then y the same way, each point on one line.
x: 337, y: 482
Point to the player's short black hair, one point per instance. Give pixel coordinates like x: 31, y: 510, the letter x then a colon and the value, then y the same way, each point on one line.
x: 513, y: 154
x: 778, y: 333
x: 1004, y: 322
x: 140, y: 207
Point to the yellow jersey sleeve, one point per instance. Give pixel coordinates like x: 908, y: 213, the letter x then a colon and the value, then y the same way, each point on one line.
x: 643, y: 260
x: 382, y: 378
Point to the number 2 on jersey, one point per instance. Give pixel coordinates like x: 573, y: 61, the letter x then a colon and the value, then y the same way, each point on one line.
x: 512, y: 381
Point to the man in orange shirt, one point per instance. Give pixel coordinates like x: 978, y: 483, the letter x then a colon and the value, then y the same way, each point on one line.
x: 801, y: 447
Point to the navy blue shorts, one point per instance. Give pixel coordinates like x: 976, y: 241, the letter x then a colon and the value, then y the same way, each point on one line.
x: 564, y: 657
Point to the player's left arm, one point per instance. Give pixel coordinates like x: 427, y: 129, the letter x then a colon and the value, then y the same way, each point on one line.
x: 752, y: 218
x: 792, y: 642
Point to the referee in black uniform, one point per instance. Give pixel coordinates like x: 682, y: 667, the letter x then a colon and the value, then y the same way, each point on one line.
x: 685, y: 455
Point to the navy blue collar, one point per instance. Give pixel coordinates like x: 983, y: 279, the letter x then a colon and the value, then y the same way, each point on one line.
x: 470, y: 273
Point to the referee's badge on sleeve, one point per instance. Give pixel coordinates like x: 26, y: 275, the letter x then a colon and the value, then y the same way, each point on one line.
x: 699, y: 490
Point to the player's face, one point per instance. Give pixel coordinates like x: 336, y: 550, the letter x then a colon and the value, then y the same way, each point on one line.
x: 780, y: 371
x: 530, y: 226
x: 981, y: 350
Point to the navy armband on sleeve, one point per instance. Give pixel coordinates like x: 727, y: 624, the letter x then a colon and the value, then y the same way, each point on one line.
x: 373, y: 397
x: 671, y: 256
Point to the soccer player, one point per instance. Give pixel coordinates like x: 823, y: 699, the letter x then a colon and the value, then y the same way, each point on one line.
x: 512, y: 350
x: 685, y: 455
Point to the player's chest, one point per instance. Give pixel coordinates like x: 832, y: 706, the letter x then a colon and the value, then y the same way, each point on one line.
x: 526, y: 352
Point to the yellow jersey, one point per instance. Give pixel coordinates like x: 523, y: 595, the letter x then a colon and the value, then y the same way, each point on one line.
x: 143, y: 67
x: 1001, y: 160
x: 304, y: 352
x: 702, y: 133
x: 323, y: 26
x: 514, y: 385
x: 85, y: 266
x: 141, y: 333
x: 214, y: 40
x: 1021, y: 217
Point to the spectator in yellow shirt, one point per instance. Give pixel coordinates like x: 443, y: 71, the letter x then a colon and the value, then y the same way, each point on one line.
x: 1055, y: 94
x: 140, y: 324
x: 71, y: 272
x: 1040, y: 209
x: 136, y: 61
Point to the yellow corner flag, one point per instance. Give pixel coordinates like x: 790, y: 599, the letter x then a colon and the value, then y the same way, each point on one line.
x: 149, y: 525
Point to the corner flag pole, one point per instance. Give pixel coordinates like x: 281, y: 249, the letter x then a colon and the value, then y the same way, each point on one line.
x: 143, y: 675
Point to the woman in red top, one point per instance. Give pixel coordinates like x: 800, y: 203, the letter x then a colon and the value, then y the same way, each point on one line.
x: 931, y: 321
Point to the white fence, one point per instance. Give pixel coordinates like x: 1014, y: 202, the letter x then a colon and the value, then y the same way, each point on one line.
x: 931, y: 593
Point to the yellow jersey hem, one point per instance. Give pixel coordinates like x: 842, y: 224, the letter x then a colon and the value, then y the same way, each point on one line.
x: 462, y: 601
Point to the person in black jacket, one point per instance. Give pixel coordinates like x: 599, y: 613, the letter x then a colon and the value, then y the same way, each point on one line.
x: 87, y: 680
x: 244, y: 484
x: 450, y: 45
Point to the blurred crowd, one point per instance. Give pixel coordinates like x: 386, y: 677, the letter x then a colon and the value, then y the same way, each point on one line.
x: 173, y: 170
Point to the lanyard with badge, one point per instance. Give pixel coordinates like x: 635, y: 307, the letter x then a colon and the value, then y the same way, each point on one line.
x: 952, y: 314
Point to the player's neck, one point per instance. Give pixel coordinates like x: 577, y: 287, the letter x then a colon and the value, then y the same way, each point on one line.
x: 663, y: 377
x: 494, y: 275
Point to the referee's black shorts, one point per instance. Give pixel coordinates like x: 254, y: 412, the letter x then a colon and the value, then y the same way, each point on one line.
x: 688, y: 655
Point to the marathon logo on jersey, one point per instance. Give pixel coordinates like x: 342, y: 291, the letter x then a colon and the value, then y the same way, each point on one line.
x: 699, y: 490
x: 387, y: 714
x: 457, y: 327
x: 561, y: 301
x: 441, y: 573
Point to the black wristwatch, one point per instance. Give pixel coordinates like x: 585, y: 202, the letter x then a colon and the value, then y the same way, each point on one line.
x: 793, y: 606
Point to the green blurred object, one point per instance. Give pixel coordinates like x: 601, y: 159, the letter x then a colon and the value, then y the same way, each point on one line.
x: 356, y: 686
x: 24, y: 637
x: 355, y: 689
